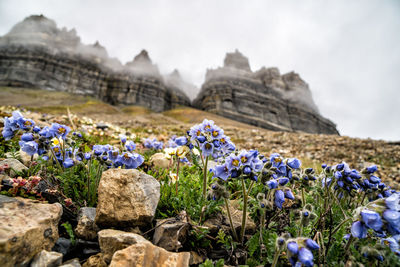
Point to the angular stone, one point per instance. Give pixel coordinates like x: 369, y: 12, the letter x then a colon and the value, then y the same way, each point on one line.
x: 113, y: 240
x: 159, y: 161
x: 95, y: 261
x: 145, y: 254
x: 126, y: 197
x: 14, y: 164
x: 86, y: 228
x: 26, y: 228
x: 63, y: 246
x: 47, y: 259
x: 171, y: 233
x: 71, y: 263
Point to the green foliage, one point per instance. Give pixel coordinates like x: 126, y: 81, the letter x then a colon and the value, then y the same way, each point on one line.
x: 70, y: 231
x: 209, y: 263
x: 261, y: 248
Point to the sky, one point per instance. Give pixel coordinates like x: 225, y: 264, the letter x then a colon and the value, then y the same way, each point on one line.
x: 347, y: 51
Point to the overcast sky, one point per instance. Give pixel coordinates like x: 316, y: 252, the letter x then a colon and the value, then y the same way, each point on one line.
x: 347, y: 51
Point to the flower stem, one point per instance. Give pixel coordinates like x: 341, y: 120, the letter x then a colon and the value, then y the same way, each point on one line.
x: 230, y: 220
x: 177, y: 176
x: 244, y: 213
x: 303, y: 197
x: 205, y: 178
x: 347, y: 248
x: 276, y: 257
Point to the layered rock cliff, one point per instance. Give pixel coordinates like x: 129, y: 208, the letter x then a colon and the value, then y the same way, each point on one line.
x: 36, y: 53
x: 263, y: 98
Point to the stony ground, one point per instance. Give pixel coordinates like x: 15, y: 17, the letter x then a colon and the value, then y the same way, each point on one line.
x: 312, y: 149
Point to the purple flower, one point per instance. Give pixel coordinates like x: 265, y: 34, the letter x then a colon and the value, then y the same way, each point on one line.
x: 59, y: 130
x: 26, y: 137
x: 88, y: 155
x: 358, y: 230
x: 30, y: 147
x: 283, y: 181
x: 279, y: 198
x: 180, y: 141
x: 392, y: 202
x: 68, y: 163
x: 130, y: 146
x: 46, y: 133
x: 392, y: 217
x: 289, y: 194
x: 294, y: 163
x: 372, y: 169
x: 221, y: 171
x: 306, y: 257
x: 311, y: 244
x: 372, y: 219
x: 272, y: 184
x: 374, y: 179
x: 207, y: 149
x: 293, y: 247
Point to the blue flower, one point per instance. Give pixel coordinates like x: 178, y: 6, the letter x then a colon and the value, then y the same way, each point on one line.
x: 30, y: 147
x: 25, y: 124
x: 358, y: 230
x: 46, y: 133
x: 130, y: 160
x: 26, y: 137
x: 279, y: 198
x: 289, y: 194
x: 130, y: 146
x: 246, y: 170
x: 306, y: 257
x: 293, y: 247
x: 68, y: 163
x: 283, y: 181
x: 88, y: 155
x: 59, y: 130
x: 98, y: 149
x: 221, y: 171
x: 392, y: 202
x: 123, y: 138
x: 180, y: 141
x: 392, y: 243
x: 272, y: 184
x: 374, y: 179
x: 294, y: 163
x: 372, y: 169
x: 311, y: 244
x: 233, y: 162
x: 36, y: 129
x: 207, y: 149
x: 372, y: 219
x: 392, y: 217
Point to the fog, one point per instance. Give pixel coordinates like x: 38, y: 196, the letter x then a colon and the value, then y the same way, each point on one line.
x: 347, y: 51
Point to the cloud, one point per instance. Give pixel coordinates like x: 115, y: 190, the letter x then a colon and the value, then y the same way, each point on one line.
x: 347, y: 51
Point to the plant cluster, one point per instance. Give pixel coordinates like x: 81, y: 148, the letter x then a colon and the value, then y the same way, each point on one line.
x: 303, y: 217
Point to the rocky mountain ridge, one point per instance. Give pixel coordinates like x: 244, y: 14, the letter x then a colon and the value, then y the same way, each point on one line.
x: 35, y: 53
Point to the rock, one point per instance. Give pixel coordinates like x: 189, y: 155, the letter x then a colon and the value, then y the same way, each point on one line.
x: 126, y: 197
x: 113, y: 240
x: 195, y: 258
x: 47, y: 259
x: 95, y: 261
x: 86, y: 228
x: 147, y: 255
x: 26, y: 228
x: 14, y: 165
x: 71, y: 263
x: 63, y: 246
x: 264, y: 98
x: 171, y: 233
x: 66, y: 64
x: 159, y: 161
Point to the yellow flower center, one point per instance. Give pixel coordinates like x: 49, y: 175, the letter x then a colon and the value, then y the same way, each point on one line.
x: 208, y: 146
x: 56, y: 149
x: 61, y: 130
x: 198, y: 133
x: 28, y: 123
x: 243, y: 159
x: 235, y: 162
x: 215, y: 133
x: 207, y: 127
x: 222, y: 140
x: 126, y: 156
